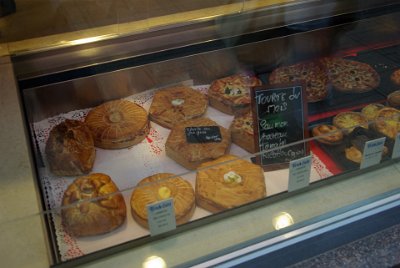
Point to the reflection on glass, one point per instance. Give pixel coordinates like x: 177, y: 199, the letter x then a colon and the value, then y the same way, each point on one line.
x: 154, y: 262
x: 282, y: 220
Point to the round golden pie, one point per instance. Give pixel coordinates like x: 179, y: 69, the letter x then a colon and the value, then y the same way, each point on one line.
x: 393, y: 99
x: 371, y: 110
x: 347, y: 121
x: 327, y: 134
x: 92, y: 205
x: 228, y: 182
x: 118, y: 124
x: 192, y: 154
x: 70, y: 149
x: 174, y: 105
x: 159, y: 187
x: 231, y: 95
x: 388, y: 122
x: 353, y: 154
x: 242, y: 131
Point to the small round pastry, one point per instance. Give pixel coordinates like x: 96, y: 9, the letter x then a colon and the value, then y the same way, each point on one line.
x: 327, y: 134
x: 93, y: 206
x: 353, y: 154
x: 191, y: 153
x: 388, y: 122
x: 228, y: 182
x: 231, y: 95
x: 159, y: 187
x: 371, y: 110
x: 242, y: 131
x: 347, y: 121
x: 70, y: 149
x: 393, y: 99
x: 177, y: 104
x: 395, y: 77
x: 118, y: 124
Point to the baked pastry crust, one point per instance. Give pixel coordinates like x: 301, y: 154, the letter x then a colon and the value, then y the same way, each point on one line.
x: 393, y: 99
x: 159, y: 187
x: 327, y: 134
x: 92, y: 206
x: 351, y: 76
x: 353, y: 154
x: 347, y: 121
x: 395, y: 77
x: 388, y: 122
x: 215, y: 193
x: 118, y: 124
x: 231, y: 95
x: 177, y: 104
x: 242, y: 131
x: 311, y: 73
x: 70, y: 149
x: 371, y: 110
x: 191, y: 155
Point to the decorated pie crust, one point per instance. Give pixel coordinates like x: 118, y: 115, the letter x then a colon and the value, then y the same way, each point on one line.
x: 388, y: 122
x: 242, y: 131
x: 347, y: 121
x: 327, y: 134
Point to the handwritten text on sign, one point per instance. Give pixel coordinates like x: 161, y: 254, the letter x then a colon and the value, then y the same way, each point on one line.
x: 280, y: 116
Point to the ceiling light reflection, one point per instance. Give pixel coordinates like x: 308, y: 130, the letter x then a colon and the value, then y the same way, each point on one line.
x: 282, y: 220
x: 154, y: 262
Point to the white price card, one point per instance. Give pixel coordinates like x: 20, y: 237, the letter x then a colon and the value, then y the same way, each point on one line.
x: 372, y: 154
x: 161, y: 216
x: 299, y: 173
x: 396, y: 147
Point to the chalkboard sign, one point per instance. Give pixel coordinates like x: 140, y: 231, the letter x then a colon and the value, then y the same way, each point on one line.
x: 280, y: 116
x: 203, y: 134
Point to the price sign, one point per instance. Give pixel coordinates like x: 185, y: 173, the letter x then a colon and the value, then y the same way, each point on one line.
x: 280, y: 116
x: 161, y: 216
x: 372, y: 154
x: 299, y: 173
x: 203, y: 134
x: 396, y: 147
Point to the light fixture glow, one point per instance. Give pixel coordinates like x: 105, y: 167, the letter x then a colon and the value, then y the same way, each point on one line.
x: 154, y: 262
x: 282, y: 220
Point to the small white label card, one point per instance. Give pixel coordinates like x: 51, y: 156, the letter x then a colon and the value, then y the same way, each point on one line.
x: 299, y: 173
x: 372, y: 152
x: 161, y: 216
x: 396, y: 147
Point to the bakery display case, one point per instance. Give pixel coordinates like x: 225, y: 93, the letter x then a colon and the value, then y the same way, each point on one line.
x: 142, y: 137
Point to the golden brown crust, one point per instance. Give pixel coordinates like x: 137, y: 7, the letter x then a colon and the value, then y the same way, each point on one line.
x: 215, y: 193
x: 191, y: 155
x: 118, y: 124
x: 393, y: 98
x: 92, y: 206
x: 351, y: 76
x: 231, y: 95
x: 353, y: 154
x: 327, y: 134
x: 395, y: 77
x: 347, y: 121
x: 371, y: 110
x: 147, y: 192
x: 177, y: 104
x: 242, y: 132
x: 70, y: 149
x: 311, y: 73
x: 388, y: 122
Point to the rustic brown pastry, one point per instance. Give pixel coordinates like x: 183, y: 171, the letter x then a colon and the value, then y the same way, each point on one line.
x: 393, y: 99
x: 177, y: 104
x: 395, y: 77
x: 231, y: 95
x: 353, y: 154
x: 93, y: 206
x: 159, y: 187
x: 118, y: 124
x: 347, y: 121
x: 312, y: 73
x: 70, y: 149
x: 242, y: 131
x: 387, y: 122
x: 327, y: 134
x: 351, y: 76
x: 371, y: 110
x: 228, y: 182
x: 192, y: 154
